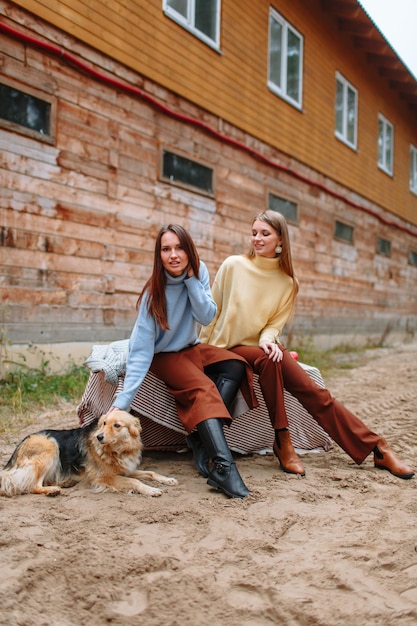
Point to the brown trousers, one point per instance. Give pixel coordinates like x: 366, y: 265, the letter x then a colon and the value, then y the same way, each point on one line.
x: 343, y: 426
x: 196, y: 396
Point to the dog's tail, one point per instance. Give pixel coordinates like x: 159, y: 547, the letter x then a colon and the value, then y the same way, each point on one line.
x: 17, y: 480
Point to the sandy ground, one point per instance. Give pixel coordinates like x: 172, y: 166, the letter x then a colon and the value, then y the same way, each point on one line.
x: 338, y: 547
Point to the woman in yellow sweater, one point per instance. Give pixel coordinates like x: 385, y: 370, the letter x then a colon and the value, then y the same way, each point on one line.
x: 255, y: 295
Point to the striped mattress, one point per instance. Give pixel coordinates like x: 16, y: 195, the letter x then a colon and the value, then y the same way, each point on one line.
x: 250, y: 431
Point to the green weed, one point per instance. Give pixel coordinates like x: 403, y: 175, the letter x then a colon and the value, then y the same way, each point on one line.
x: 341, y: 357
x: 26, y: 391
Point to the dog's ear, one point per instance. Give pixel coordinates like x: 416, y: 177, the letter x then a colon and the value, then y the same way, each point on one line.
x: 135, y: 429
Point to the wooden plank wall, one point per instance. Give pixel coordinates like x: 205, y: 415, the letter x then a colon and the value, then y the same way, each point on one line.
x: 79, y: 218
x: 233, y: 84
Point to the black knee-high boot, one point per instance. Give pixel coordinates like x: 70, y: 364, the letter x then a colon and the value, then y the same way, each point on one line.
x: 200, y: 454
x: 227, y: 390
x: 224, y: 475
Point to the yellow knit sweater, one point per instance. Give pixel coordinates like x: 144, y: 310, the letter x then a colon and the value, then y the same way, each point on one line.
x: 254, y: 300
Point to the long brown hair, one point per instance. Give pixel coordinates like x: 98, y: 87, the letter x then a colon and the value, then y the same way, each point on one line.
x: 278, y: 222
x: 156, y: 284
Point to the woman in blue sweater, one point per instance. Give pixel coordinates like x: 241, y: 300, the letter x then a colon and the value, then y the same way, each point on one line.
x: 203, y: 379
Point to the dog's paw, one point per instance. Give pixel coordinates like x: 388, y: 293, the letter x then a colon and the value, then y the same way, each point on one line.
x: 67, y: 484
x: 154, y: 492
x: 171, y: 481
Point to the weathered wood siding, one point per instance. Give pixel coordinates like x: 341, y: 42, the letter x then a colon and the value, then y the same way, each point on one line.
x: 78, y: 218
x: 233, y: 85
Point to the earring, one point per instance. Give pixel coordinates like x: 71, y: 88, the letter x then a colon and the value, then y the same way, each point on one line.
x: 278, y: 249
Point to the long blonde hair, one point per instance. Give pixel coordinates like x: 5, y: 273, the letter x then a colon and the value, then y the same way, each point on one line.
x: 278, y: 222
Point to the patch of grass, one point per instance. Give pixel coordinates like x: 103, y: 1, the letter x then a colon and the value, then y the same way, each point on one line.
x: 342, y: 357
x: 26, y: 391
x: 324, y: 361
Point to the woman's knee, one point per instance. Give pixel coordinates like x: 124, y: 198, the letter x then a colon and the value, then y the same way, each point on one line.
x: 232, y: 369
x: 264, y: 364
x: 235, y: 370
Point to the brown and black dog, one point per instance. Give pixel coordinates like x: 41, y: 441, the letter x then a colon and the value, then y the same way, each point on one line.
x: 104, y: 455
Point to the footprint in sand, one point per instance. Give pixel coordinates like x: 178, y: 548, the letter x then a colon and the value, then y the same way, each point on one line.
x: 411, y: 593
x: 248, y: 598
x: 133, y: 604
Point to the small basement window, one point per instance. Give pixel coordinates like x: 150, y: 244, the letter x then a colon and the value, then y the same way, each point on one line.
x: 287, y: 208
x: 27, y: 111
x: 383, y: 246
x: 343, y: 232
x: 412, y: 259
x: 188, y: 173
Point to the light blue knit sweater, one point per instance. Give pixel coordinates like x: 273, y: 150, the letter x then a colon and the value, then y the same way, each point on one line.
x: 189, y: 302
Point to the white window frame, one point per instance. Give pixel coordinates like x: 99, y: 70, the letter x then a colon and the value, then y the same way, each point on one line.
x: 281, y: 88
x: 413, y: 169
x: 187, y: 21
x: 385, y: 157
x: 343, y: 133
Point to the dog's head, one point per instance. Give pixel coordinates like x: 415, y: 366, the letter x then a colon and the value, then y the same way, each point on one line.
x: 120, y: 431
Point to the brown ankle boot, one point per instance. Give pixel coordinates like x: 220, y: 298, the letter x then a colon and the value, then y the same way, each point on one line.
x: 385, y: 458
x: 287, y: 456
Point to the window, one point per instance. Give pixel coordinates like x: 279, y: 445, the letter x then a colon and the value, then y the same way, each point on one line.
x: 344, y: 232
x: 383, y: 246
x: 413, y: 169
x: 346, y: 111
x: 385, y: 144
x: 187, y: 173
x: 412, y: 259
x: 285, y: 59
x: 287, y: 208
x: 200, y: 17
x: 29, y: 112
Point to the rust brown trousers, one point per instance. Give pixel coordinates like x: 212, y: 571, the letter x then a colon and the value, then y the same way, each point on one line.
x: 196, y: 396
x: 352, y: 435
